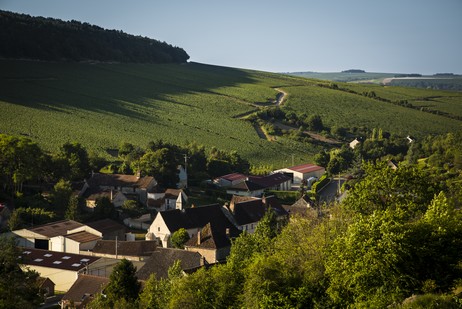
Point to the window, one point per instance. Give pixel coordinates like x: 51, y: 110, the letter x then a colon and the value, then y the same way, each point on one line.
x: 158, y: 228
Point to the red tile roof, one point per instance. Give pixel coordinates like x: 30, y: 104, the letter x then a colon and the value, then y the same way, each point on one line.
x: 233, y: 176
x: 306, y: 168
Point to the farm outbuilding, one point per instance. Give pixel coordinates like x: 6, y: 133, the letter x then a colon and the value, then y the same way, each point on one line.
x: 302, y: 172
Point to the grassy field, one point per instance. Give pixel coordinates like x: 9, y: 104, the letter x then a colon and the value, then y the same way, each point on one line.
x: 101, y: 105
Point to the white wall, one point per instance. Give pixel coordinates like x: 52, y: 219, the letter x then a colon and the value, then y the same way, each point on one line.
x: 63, y: 279
x: 159, y: 229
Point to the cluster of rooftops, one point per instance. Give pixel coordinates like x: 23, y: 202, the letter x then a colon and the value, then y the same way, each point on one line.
x: 68, y: 252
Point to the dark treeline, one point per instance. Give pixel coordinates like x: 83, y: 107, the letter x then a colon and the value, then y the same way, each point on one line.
x: 40, y: 38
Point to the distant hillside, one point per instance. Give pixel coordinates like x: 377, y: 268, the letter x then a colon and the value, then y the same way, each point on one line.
x: 440, y: 81
x: 101, y: 105
x: 26, y: 37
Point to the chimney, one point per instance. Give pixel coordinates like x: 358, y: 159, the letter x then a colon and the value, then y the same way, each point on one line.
x: 198, y: 237
x: 138, y: 174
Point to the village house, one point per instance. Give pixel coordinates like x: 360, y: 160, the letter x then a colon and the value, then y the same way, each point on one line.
x: 229, y: 180
x: 163, y: 258
x: 304, y: 206
x: 246, y: 188
x: 248, y: 211
x: 257, y: 185
x: 47, y: 286
x: 302, y: 172
x: 92, y: 195
x: 131, y: 186
x: 192, y: 219
x: 83, y: 291
x: 212, y: 242
x: 354, y: 143
x: 167, y: 200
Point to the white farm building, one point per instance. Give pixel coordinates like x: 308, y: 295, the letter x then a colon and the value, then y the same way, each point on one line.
x: 302, y: 172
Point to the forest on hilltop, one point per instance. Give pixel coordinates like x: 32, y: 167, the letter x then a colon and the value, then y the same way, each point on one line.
x: 41, y: 38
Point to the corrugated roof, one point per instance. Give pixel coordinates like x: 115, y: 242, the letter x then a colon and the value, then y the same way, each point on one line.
x: 53, y: 259
x: 58, y: 228
x: 233, y: 176
x: 306, y: 168
x: 247, y: 186
x: 106, y: 226
x: 82, y: 237
x: 270, y: 180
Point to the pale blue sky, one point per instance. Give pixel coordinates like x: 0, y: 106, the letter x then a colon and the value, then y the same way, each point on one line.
x: 399, y: 36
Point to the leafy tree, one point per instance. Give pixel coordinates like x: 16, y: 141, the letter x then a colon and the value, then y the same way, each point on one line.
x: 161, y: 164
x: 179, y: 238
x: 408, y: 189
x: 131, y: 208
x: 20, y: 160
x: 15, y: 222
x: 34, y: 215
x: 123, y: 283
x: 157, y: 292
x: 104, y: 208
x: 315, y: 123
x: 19, y: 287
x: 61, y: 194
x: 76, y: 161
x: 322, y: 158
x: 72, y: 211
x: 54, y: 39
x: 366, y: 263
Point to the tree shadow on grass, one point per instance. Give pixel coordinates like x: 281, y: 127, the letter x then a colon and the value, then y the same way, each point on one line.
x: 108, y: 88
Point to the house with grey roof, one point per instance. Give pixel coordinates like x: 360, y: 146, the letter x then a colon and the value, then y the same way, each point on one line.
x: 163, y: 258
x: 167, y: 200
x: 257, y: 185
x: 192, y: 219
x: 137, y: 250
x: 212, y: 242
x: 304, y: 206
x: 248, y: 211
x: 83, y: 291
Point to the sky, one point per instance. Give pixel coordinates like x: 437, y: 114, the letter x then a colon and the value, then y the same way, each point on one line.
x: 396, y: 36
